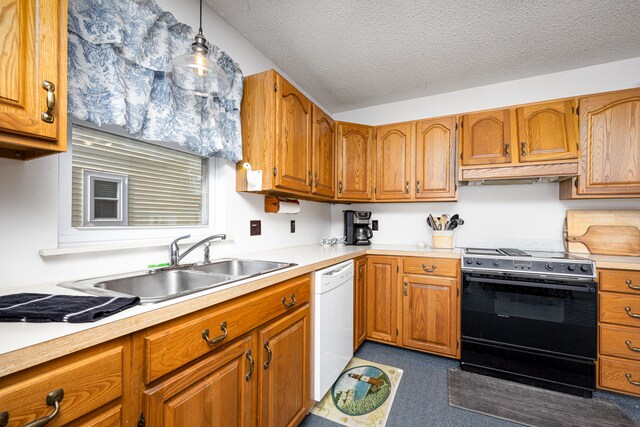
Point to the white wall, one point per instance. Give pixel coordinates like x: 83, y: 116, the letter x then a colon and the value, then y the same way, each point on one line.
x: 29, y: 199
x: 498, y: 214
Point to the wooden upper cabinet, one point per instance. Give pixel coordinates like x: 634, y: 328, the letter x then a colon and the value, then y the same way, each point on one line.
x: 393, y: 160
x: 610, y: 141
x: 33, y: 75
x: 323, y: 154
x: 381, y: 299
x: 435, y: 159
x: 547, y: 131
x: 354, y: 161
x: 488, y: 137
x: 293, y: 137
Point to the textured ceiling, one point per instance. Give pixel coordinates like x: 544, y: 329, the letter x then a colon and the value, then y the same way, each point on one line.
x: 356, y: 53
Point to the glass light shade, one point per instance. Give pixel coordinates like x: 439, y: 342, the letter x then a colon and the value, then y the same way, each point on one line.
x: 197, y: 73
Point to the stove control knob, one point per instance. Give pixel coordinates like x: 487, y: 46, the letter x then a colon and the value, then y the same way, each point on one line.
x: 549, y: 266
x: 479, y: 262
x: 469, y: 261
x: 571, y: 267
x: 496, y: 263
x: 584, y: 268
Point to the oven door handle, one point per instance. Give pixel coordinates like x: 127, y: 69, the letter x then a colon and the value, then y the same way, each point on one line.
x: 582, y: 288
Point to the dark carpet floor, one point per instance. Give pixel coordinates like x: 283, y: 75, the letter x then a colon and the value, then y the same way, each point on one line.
x: 422, y: 398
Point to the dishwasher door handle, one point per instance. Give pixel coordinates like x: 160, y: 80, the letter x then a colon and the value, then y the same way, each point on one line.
x: 337, y: 272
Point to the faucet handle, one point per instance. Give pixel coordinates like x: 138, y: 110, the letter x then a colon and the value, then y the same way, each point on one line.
x: 175, y: 242
x: 174, y: 250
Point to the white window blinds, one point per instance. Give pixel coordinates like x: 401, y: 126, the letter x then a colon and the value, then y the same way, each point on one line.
x: 165, y: 187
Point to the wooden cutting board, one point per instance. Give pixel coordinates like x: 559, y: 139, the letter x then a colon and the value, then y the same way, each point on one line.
x: 604, y: 232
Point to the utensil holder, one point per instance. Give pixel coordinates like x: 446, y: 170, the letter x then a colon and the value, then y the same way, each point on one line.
x: 443, y: 239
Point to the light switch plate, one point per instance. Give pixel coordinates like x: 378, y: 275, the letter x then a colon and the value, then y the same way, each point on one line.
x: 255, y: 227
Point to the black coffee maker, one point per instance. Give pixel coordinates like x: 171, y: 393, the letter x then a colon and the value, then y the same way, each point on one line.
x: 357, y: 227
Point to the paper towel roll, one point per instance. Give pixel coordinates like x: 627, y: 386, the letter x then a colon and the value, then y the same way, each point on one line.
x: 289, y: 208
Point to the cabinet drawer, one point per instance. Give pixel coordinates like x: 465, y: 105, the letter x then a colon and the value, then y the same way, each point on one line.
x: 620, y: 309
x: 109, y: 418
x: 620, y: 281
x: 431, y: 266
x: 619, y: 375
x: 89, y: 380
x: 180, y: 341
x: 620, y: 342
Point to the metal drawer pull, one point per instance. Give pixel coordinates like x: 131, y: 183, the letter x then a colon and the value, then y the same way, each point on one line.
x: 628, y: 343
x: 289, y: 304
x: 406, y: 188
x: 53, y: 399
x: 405, y: 288
x: 47, y: 116
x: 252, y: 366
x: 628, y: 310
x: 523, y: 152
x: 339, y: 186
x: 507, y: 150
x: 418, y: 186
x: 216, y: 340
x: 4, y: 418
x: 429, y: 270
x: 632, y: 381
x: 269, y: 354
x: 629, y: 284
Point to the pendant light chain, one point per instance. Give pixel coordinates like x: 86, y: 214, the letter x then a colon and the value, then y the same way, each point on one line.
x: 200, y: 28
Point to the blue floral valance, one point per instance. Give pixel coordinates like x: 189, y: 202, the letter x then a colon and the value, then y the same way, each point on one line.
x: 118, y: 51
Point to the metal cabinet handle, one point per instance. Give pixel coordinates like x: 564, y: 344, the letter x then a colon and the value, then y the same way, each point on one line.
x: 405, y: 288
x: 53, y: 399
x: 629, y: 284
x: 630, y: 380
x: 523, y: 148
x: 418, y: 186
x: 628, y: 310
x: 628, y: 343
x: 339, y: 186
x: 4, y: 418
x: 317, y: 180
x: 429, y: 270
x: 507, y: 150
x: 269, y: 354
x: 406, y: 187
x: 252, y: 366
x: 216, y: 340
x: 289, y: 304
x: 47, y: 116
x: 310, y: 179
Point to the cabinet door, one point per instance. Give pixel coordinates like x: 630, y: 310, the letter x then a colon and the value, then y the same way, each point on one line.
x: 33, y: 37
x: 323, y: 154
x: 393, y: 160
x: 436, y: 159
x: 354, y: 161
x: 547, y: 131
x: 214, y: 392
x: 293, y: 138
x: 381, y: 296
x: 488, y: 137
x: 360, y: 303
x: 610, y: 141
x: 430, y: 314
x: 283, y: 370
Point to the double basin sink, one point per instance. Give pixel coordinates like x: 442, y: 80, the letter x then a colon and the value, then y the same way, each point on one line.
x: 163, y: 284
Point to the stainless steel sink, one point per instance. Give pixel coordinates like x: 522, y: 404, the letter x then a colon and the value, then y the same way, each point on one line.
x: 241, y: 267
x: 160, y: 285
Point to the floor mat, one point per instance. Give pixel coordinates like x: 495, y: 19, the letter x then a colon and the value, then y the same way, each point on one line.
x: 529, y: 405
x: 362, y: 395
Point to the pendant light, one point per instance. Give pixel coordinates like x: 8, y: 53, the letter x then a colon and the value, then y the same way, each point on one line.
x: 196, y: 72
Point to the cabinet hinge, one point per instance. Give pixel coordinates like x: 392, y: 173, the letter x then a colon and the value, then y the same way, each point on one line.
x: 397, y: 269
x: 462, y: 124
x: 275, y: 171
x: 456, y: 125
x: 275, y: 87
x: 141, y: 422
x: 396, y: 331
x: 457, y: 292
x: 578, y: 110
x: 457, y: 344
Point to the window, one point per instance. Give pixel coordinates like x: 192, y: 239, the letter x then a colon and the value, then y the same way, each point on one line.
x: 121, y: 181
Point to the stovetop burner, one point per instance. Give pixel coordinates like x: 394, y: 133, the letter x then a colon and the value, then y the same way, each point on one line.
x: 510, y: 260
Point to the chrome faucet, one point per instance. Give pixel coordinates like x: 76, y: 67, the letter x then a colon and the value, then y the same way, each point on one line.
x: 174, y: 250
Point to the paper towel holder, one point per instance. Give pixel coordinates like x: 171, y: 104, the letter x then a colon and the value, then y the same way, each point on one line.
x: 272, y: 204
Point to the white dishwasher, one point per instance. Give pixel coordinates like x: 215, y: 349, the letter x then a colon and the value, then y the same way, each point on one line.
x: 332, y: 325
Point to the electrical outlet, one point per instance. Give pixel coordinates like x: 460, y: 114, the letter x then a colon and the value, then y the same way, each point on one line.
x: 255, y: 227
x: 374, y: 225
x: 293, y: 225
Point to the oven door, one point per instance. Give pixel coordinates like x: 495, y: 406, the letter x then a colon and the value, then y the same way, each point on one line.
x: 550, y: 315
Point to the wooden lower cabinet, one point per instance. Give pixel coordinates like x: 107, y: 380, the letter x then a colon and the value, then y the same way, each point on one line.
x: 381, y: 299
x: 430, y: 314
x: 283, y: 370
x: 360, y: 303
x: 216, y: 391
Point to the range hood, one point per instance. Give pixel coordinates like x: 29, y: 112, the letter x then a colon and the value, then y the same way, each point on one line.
x: 518, y: 174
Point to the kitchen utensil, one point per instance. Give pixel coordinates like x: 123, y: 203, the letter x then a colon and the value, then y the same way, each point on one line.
x: 453, y: 225
x: 433, y: 222
x: 610, y: 239
x: 579, y: 221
